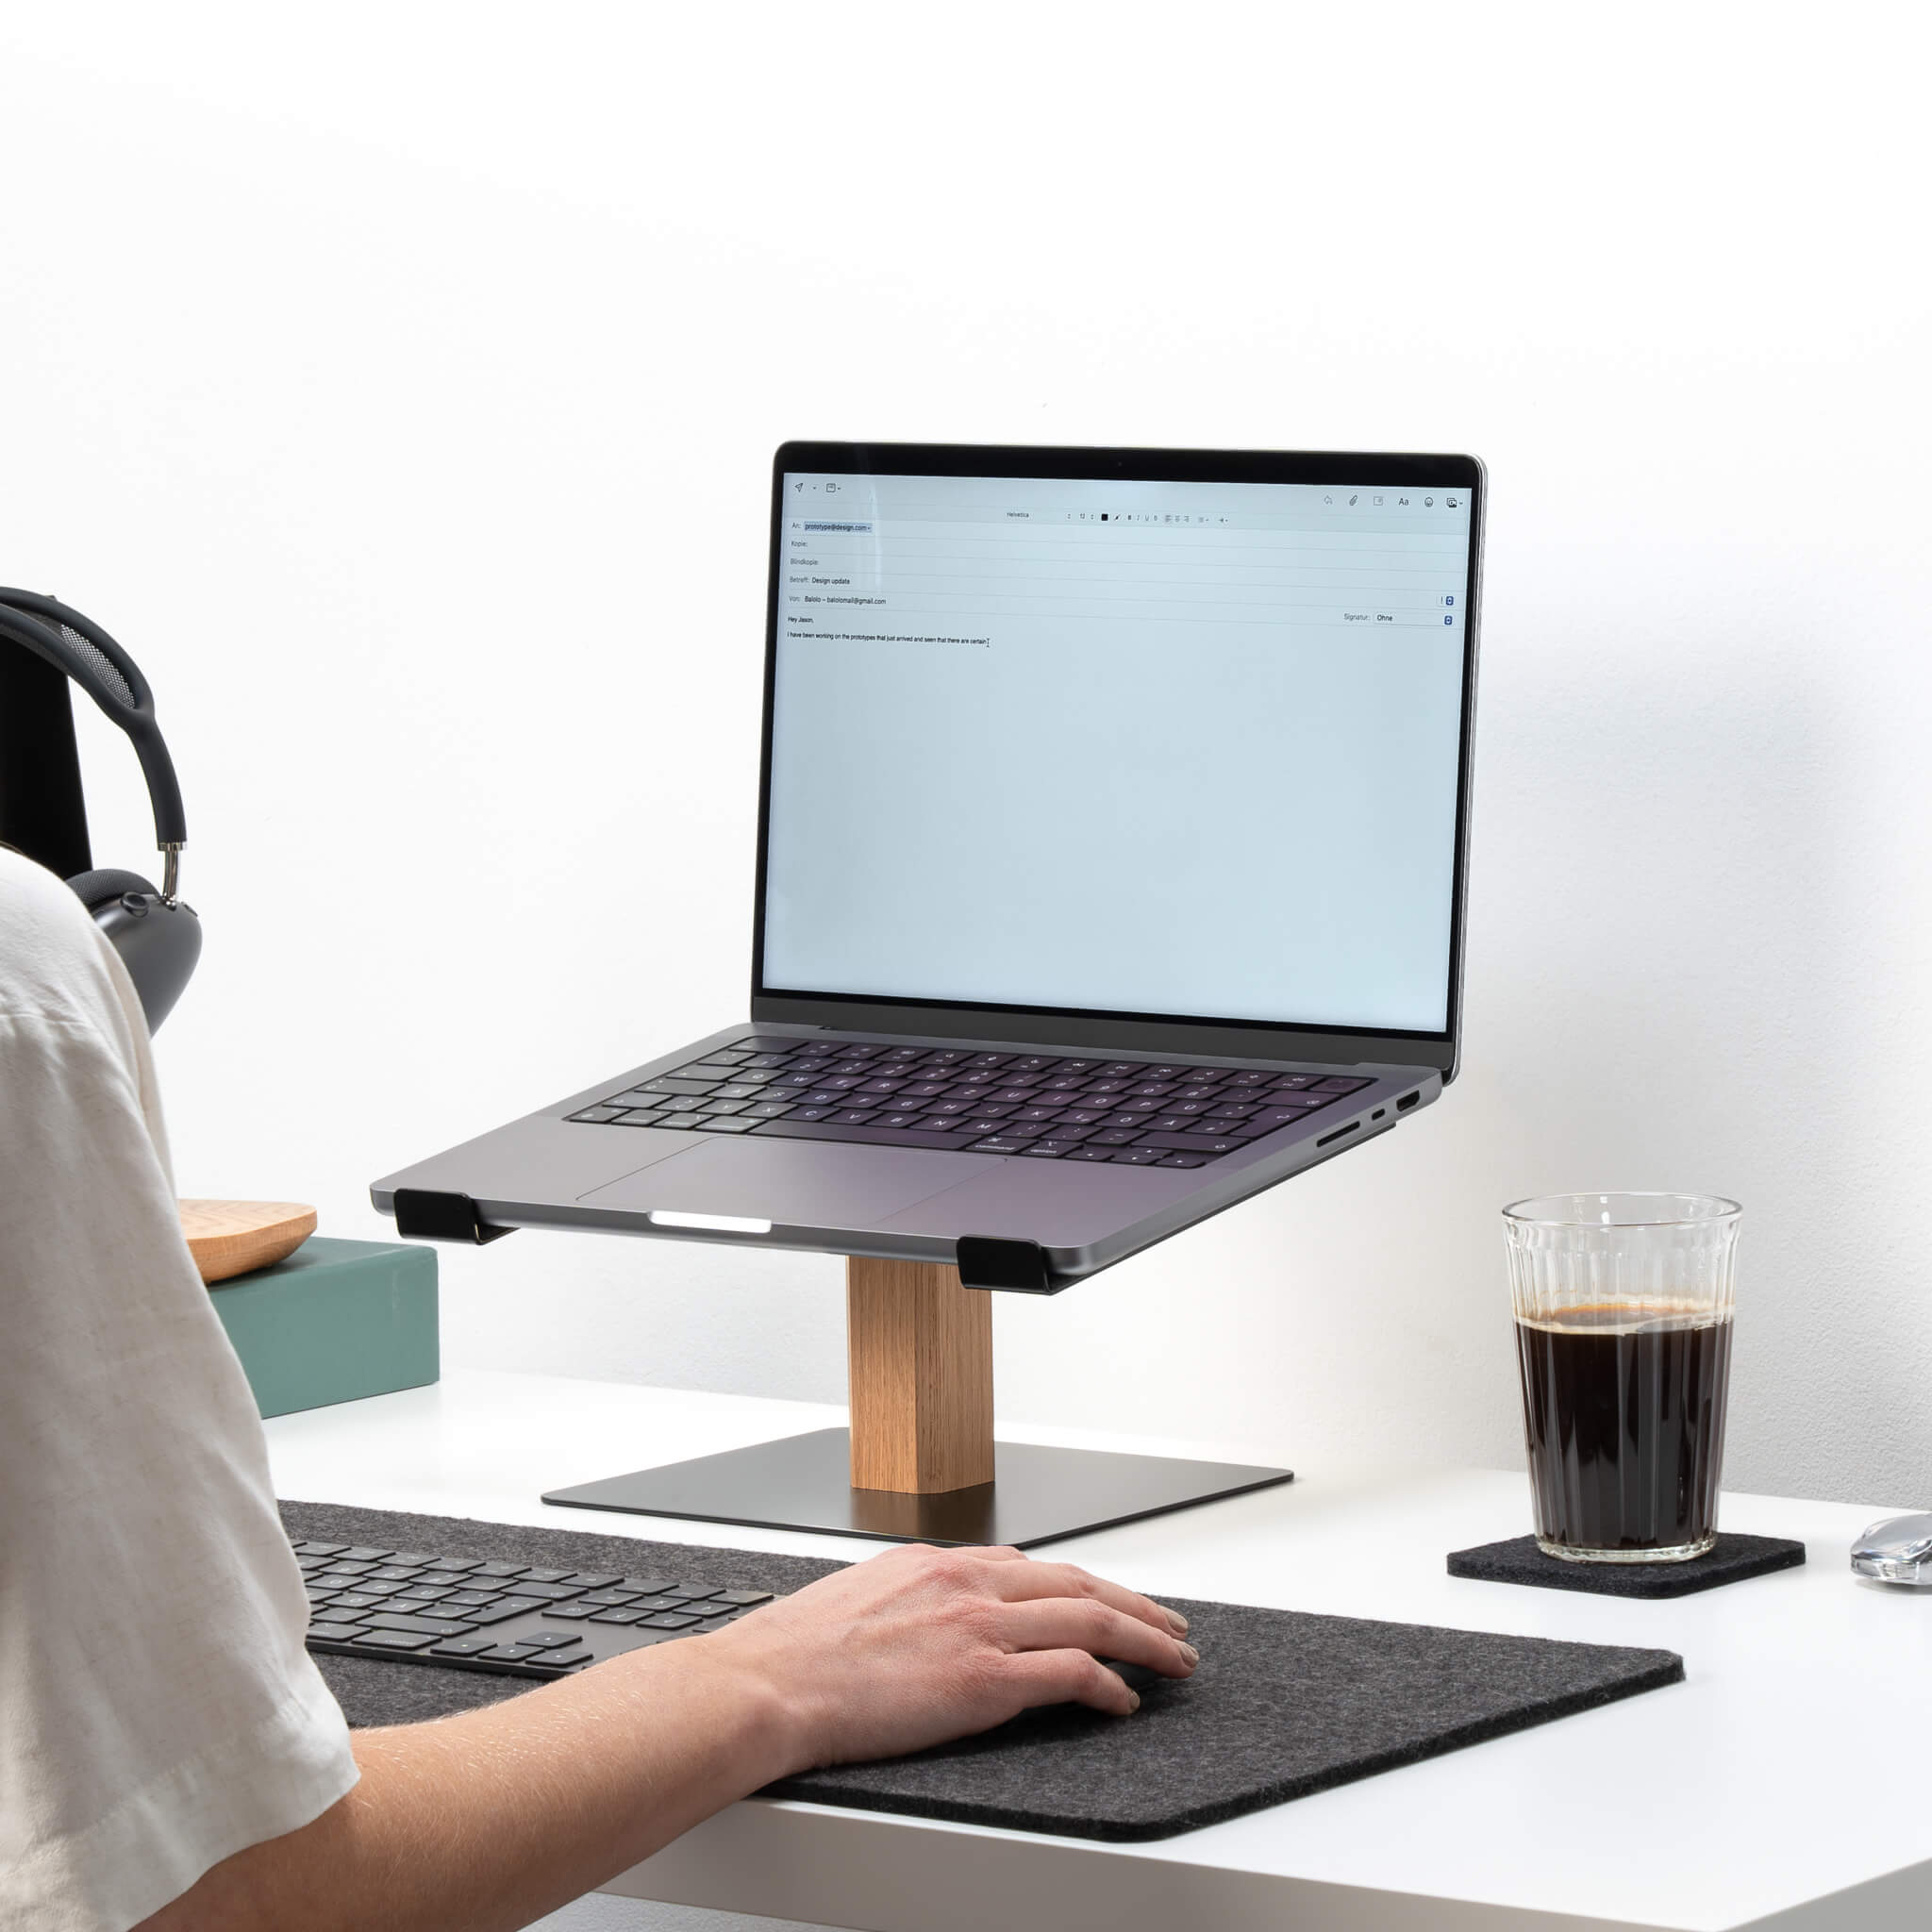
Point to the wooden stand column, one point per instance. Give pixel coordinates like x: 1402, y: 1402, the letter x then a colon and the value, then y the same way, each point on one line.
x: 917, y: 1464
x: 920, y: 1350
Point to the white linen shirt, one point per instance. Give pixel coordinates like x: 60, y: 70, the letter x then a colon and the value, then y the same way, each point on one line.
x: 157, y: 1712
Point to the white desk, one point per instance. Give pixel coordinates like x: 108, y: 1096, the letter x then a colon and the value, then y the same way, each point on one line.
x: 1785, y: 1784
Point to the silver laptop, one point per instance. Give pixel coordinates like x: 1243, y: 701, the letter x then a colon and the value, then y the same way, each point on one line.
x: 1113, y: 825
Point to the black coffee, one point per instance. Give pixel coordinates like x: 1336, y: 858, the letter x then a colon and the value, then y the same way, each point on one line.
x: 1625, y: 1411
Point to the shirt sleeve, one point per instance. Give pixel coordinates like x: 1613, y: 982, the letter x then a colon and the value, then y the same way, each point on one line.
x: 157, y: 1711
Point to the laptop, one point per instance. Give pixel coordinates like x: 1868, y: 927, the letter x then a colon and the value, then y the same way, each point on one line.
x: 1112, y: 834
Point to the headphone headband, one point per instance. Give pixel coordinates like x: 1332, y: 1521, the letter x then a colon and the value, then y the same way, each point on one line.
x: 80, y: 647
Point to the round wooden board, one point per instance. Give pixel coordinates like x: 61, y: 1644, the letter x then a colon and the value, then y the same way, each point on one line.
x: 229, y: 1238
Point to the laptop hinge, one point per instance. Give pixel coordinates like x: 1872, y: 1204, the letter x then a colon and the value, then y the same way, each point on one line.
x: 1020, y: 1267
x: 427, y: 1215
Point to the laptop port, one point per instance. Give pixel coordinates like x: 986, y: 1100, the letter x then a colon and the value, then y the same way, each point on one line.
x: 1408, y: 1101
x: 1338, y: 1133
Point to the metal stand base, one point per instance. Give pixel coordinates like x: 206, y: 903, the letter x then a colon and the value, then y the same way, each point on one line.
x: 805, y: 1482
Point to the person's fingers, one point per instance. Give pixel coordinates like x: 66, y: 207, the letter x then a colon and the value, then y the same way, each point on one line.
x: 1069, y: 1676
x: 1087, y: 1624
x: 1067, y: 1579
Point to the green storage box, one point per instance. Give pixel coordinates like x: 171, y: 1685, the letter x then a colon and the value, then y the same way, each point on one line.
x: 336, y: 1320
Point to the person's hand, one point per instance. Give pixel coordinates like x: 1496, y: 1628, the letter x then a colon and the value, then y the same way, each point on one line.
x: 921, y: 1645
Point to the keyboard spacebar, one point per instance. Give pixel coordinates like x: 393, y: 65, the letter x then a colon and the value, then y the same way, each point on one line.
x: 874, y: 1137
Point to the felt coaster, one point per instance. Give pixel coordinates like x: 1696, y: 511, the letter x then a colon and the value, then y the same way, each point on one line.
x: 1733, y: 1559
x: 1283, y: 1704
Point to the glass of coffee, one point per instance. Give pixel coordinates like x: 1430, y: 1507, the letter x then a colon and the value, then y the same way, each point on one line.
x: 1624, y: 1336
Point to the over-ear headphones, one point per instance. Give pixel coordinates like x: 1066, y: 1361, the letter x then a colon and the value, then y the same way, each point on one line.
x: 42, y: 810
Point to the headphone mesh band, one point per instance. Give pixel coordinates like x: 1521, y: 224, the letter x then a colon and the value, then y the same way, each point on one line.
x: 102, y: 664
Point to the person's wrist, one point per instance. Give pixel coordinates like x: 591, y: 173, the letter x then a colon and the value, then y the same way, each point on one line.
x: 776, y: 1718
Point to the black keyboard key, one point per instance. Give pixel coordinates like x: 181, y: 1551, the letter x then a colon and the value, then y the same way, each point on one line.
x: 612, y: 1598
x: 1094, y: 1153
x: 690, y: 1593
x: 462, y: 1646
x: 1053, y: 1150
x: 424, y: 1627
x: 1188, y: 1144
x: 441, y: 1576
x: 647, y: 1586
x: 701, y: 1070
x: 585, y: 1579
x: 599, y: 1114
x: 852, y: 1117
x: 745, y: 1598
x: 1063, y: 1131
x: 1114, y: 1137
x: 1136, y: 1156
x: 458, y: 1600
x: 736, y: 1090
x: 874, y: 1136
x: 314, y: 1549
x: 712, y: 1125
x: 690, y: 1088
x: 768, y: 1110
x: 357, y: 1600
x: 422, y: 1593
x: 617, y: 1616
x: 359, y: 1554
x: 1001, y: 1145
x: 513, y: 1653
x: 1340, y: 1084
x: 1181, y: 1160
x: 506, y: 1607
x: 391, y: 1639
x: 497, y: 1570
x: 681, y: 1121
x: 669, y: 1620
x: 575, y: 1611
x: 640, y: 1117
x: 548, y: 1592
x: 551, y: 1639
x: 415, y: 1559
x: 334, y: 1633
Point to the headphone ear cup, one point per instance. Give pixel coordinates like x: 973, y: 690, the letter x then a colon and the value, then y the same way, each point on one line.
x: 159, y: 943
x: 101, y: 887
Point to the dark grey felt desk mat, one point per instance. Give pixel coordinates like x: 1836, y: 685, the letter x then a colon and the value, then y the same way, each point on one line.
x: 1732, y: 1560
x: 1284, y: 1703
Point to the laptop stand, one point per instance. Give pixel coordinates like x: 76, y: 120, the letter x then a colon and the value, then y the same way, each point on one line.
x: 919, y: 1463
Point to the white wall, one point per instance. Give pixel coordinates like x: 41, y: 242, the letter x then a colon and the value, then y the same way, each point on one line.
x: 373, y: 372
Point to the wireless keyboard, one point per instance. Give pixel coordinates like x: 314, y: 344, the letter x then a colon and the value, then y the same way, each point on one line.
x: 473, y: 1614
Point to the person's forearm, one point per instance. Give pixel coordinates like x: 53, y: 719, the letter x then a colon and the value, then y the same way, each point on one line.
x: 485, y: 1822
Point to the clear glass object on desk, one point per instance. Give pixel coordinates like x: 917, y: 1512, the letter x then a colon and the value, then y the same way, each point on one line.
x: 1896, y: 1551
x: 1624, y: 1306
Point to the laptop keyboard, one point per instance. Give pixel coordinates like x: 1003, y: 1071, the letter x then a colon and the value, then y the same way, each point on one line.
x: 1131, y: 1113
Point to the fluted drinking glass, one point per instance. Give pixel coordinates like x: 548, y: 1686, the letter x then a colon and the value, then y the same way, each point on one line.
x: 1624, y: 1314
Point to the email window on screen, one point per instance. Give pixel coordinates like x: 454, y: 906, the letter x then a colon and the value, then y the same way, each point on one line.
x: 1168, y: 748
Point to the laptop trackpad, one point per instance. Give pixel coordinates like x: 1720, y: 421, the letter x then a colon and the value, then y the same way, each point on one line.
x: 792, y: 1182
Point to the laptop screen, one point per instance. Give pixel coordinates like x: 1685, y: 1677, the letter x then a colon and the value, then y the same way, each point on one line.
x: 1096, y: 744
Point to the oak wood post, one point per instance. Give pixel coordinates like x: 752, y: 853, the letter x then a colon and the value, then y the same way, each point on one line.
x: 921, y: 1371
